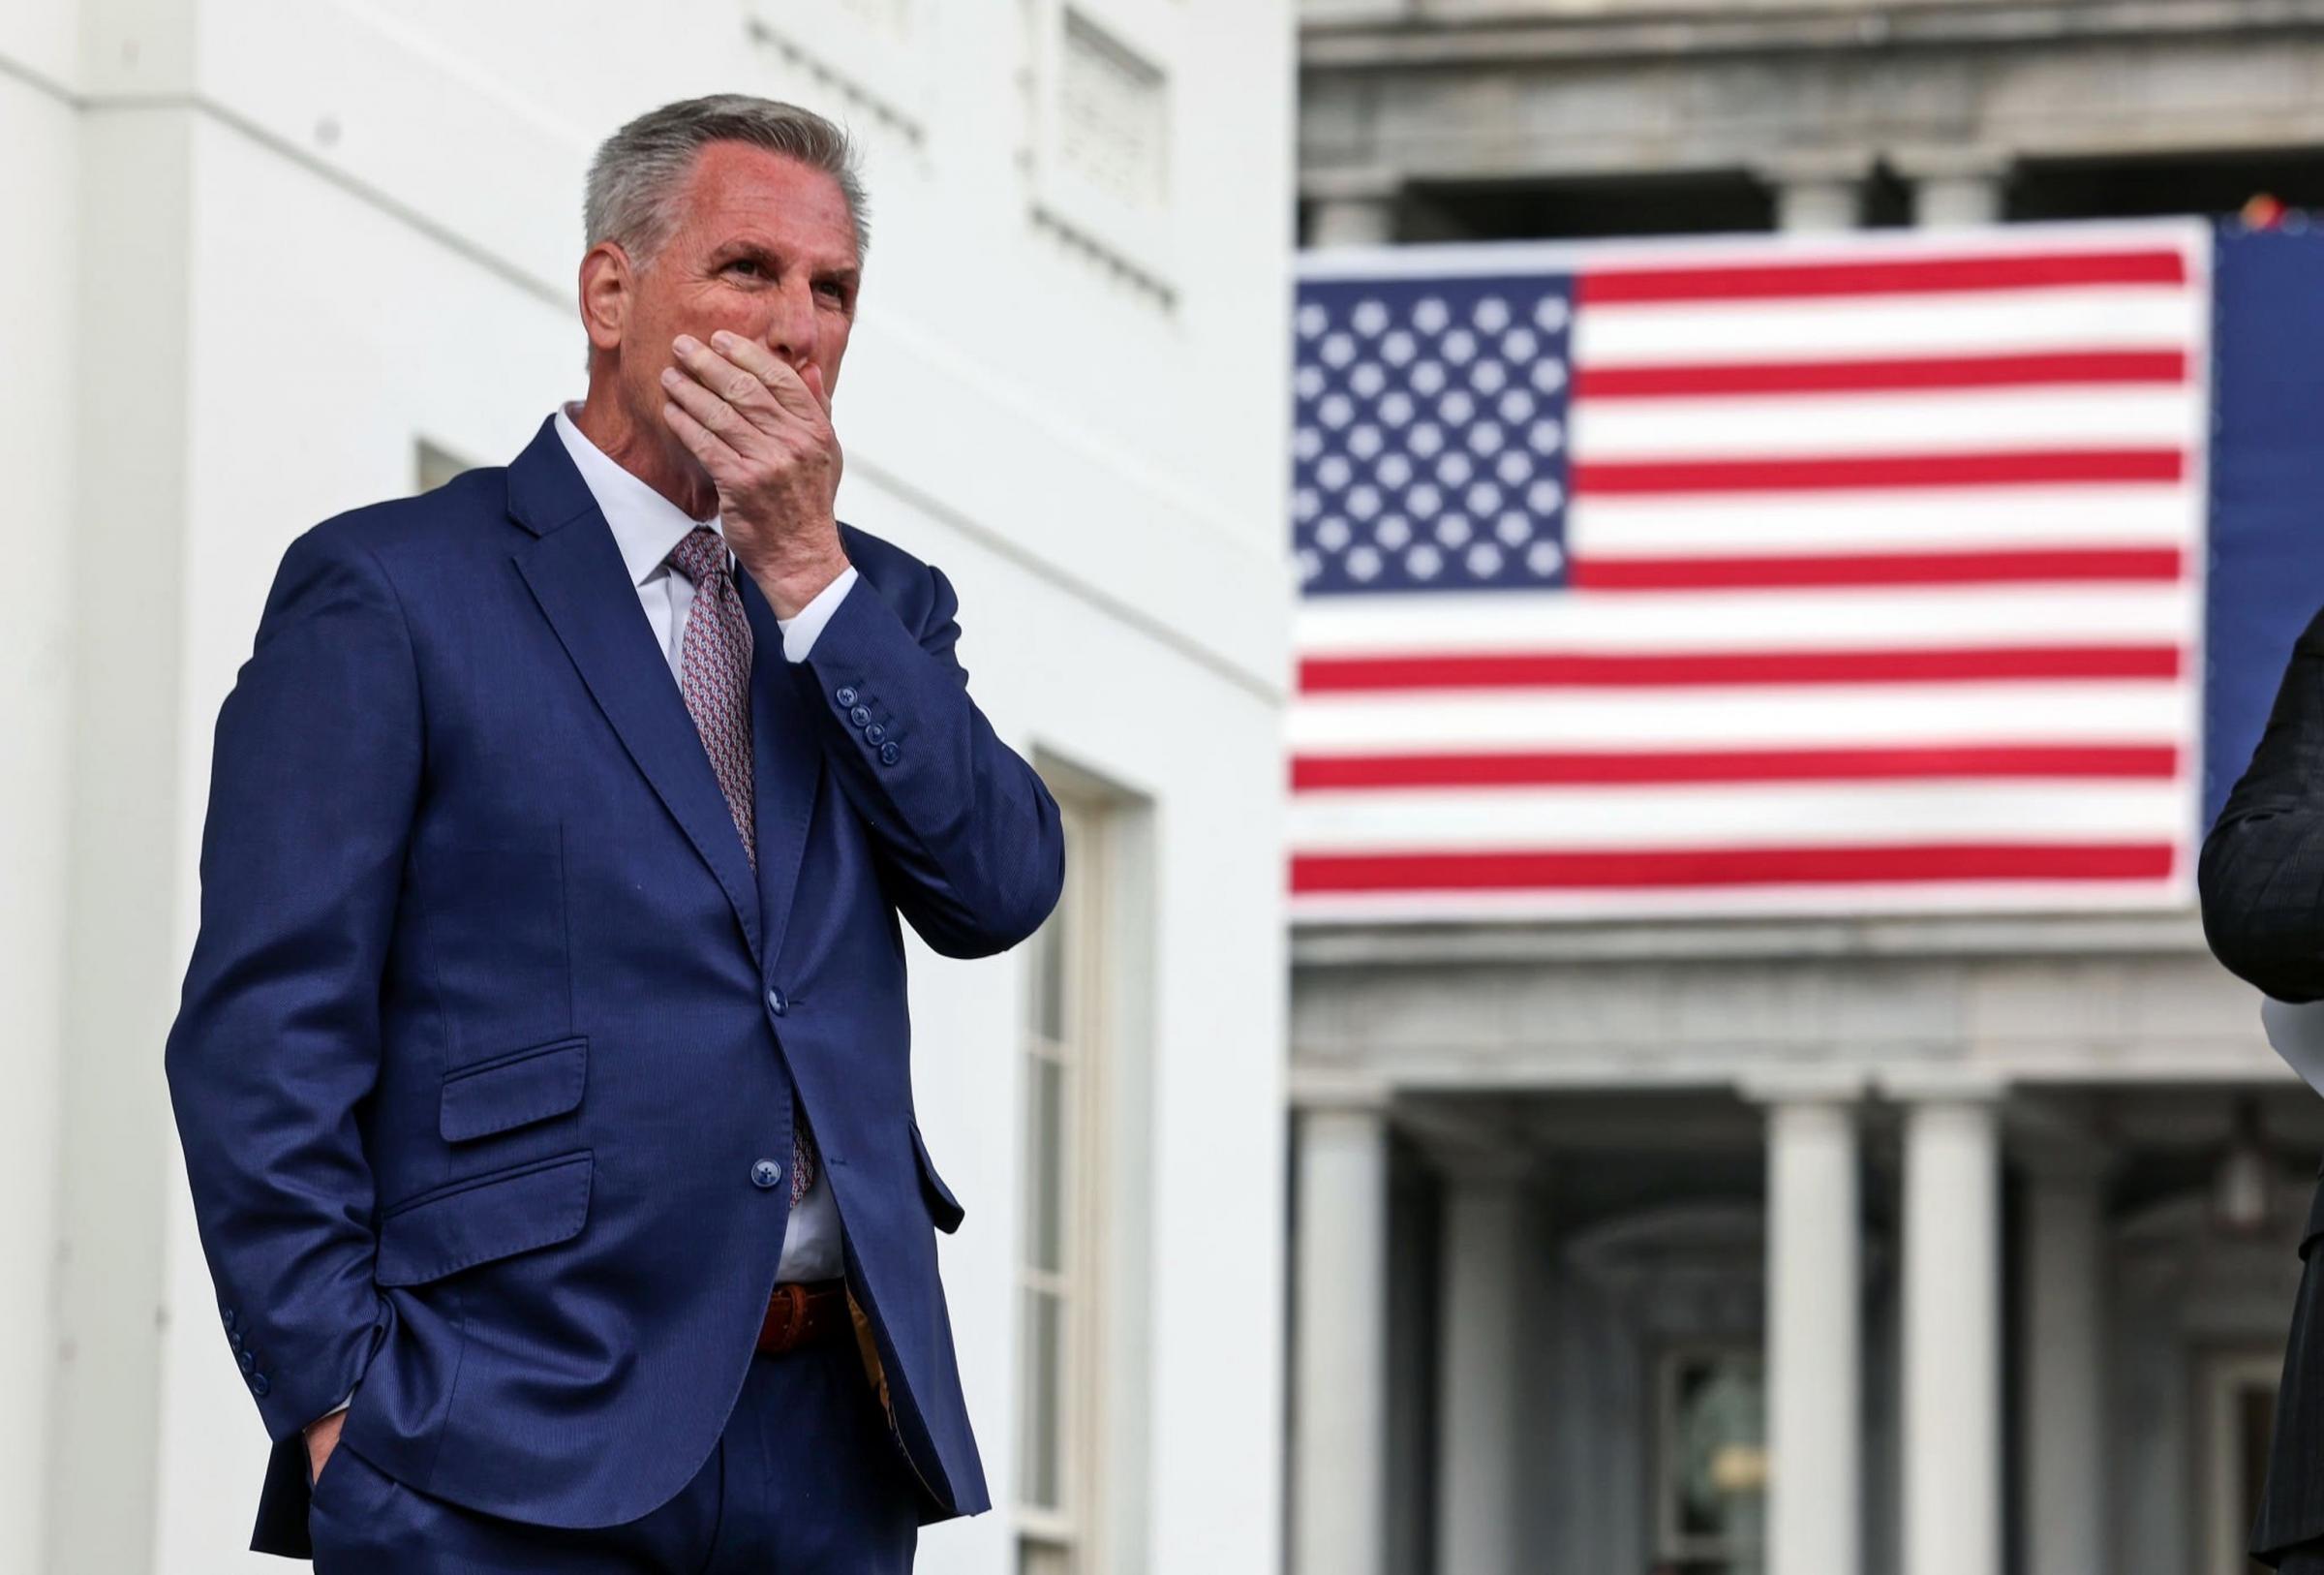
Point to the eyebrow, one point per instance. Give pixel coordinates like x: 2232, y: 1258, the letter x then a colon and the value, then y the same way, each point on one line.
x: 850, y: 274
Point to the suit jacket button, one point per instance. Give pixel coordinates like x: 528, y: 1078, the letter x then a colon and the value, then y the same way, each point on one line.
x: 888, y: 752
x: 765, y: 1173
x: 844, y: 695
x: 776, y: 1002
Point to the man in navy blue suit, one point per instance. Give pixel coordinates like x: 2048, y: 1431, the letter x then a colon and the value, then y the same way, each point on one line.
x: 543, y: 1062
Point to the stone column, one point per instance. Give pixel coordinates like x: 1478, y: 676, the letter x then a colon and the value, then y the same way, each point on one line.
x: 2063, y: 1260
x: 1817, y: 188
x: 1954, y: 185
x: 1952, y: 1307
x: 1339, y: 1342
x: 1815, y: 1334
x: 1479, y: 1396
x: 1351, y: 207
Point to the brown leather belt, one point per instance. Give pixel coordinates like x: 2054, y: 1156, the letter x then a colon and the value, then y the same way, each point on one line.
x: 800, y: 1312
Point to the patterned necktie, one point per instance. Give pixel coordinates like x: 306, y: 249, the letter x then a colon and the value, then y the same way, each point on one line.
x: 715, y: 676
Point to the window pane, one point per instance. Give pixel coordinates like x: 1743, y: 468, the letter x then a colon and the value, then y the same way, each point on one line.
x: 1044, y: 1365
x: 1046, y: 1248
x: 1717, y: 1465
x: 1043, y: 1558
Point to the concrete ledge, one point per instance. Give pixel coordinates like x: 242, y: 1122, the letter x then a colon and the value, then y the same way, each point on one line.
x: 1372, y: 946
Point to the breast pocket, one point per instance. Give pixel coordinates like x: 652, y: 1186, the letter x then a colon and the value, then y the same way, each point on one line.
x: 516, y: 1090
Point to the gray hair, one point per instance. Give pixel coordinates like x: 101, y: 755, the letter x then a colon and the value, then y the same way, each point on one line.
x: 639, y: 171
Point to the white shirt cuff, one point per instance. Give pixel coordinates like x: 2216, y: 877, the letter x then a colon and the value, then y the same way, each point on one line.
x: 336, y: 1409
x: 799, y: 633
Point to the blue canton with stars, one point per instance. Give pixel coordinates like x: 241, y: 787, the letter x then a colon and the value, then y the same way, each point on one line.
x: 1428, y: 436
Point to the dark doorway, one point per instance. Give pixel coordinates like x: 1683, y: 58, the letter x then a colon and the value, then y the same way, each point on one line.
x: 2204, y: 183
x: 1569, y: 208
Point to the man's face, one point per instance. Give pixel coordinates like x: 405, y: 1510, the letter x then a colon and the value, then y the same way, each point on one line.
x: 764, y: 247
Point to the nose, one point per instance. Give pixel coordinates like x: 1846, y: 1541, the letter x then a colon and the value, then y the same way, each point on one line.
x: 791, y: 322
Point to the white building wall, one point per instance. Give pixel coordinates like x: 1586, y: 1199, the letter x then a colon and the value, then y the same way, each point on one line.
x: 39, y: 132
x: 304, y: 238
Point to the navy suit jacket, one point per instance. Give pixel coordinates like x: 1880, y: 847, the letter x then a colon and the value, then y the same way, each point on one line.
x: 2262, y: 883
x: 489, y: 1020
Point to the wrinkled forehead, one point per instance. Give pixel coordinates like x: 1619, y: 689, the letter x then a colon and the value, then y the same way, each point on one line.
x: 735, y: 192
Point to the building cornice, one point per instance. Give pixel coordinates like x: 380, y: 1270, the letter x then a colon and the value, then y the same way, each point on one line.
x: 1404, y: 45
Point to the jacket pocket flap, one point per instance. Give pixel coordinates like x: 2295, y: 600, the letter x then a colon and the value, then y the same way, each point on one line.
x: 484, y: 1218
x: 942, y: 1206
x: 527, y: 1085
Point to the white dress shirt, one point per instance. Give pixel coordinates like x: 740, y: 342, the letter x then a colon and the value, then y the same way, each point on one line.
x: 646, y: 527
x: 2296, y: 1033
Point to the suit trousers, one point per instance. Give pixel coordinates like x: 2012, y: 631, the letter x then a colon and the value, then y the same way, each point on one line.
x: 807, y: 1479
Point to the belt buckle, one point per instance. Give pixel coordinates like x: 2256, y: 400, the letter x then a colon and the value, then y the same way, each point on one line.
x: 786, y: 1311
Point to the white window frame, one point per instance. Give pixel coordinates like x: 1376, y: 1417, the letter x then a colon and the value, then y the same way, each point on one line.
x: 888, y: 76
x: 1135, y: 240
x: 432, y: 465
x: 2221, y: 1379
x: 1072, y: 1530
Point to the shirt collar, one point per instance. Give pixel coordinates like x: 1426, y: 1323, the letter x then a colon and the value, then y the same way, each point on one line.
x: 646, y: 525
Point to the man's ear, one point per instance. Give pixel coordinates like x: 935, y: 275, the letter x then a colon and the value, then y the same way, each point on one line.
x: 607, y: 287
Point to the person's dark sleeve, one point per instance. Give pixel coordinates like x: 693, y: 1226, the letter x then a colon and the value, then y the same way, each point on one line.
x: 969, y: 842
x: 313, y: 784
x: 2262, y: 869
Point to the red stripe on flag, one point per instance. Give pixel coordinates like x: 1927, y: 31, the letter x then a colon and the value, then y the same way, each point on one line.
x: 2017, y: 567
x: 1640, y: 768
x: 1890, y: 276
x: 1637, y: 477
x: 2100, y: 366
x: 1529, y: 869
x: 1550, y: 669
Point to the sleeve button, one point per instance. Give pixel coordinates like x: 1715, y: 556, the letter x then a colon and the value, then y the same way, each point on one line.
x: 861, y: 716
x: 888, y: 753
x: 844, y: 695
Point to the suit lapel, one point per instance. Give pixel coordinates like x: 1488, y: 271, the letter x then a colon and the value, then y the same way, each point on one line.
x: 787, y: 764
x: 576, y: 574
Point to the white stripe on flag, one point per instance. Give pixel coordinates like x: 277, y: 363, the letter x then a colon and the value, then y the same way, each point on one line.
x: 1583, y: 905
x: 1735, y: 815
x: 1712, y: 525
x: 1974, y: 421
x: 2118, y: 316
x: 1432, y: 722
x: 1451, y: 622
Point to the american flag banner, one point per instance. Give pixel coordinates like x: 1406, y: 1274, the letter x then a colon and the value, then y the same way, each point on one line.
x: 1758, y: 574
